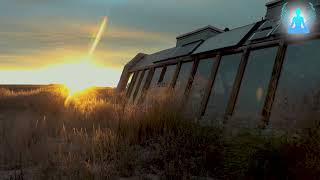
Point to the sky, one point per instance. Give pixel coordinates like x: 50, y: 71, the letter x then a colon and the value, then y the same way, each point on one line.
x: 39, y: 36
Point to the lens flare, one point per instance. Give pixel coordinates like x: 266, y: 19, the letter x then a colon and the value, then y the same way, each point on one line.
x: 85, y: 68
x: 102, y: 28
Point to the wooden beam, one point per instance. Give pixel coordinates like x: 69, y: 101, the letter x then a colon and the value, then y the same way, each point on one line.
x: 191, y: 78
x: 165, y: 63
x: 149, y: 78
x: 163, y: 72
x: 134, y: 78
x: 273, y: 85
x: 176, y: 74
x: 138, y: 85
x: 209, y: 86
x: 237, y: 85
x: 145, y: 85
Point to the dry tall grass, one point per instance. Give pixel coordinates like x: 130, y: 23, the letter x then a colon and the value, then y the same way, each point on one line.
x: 97, y: 135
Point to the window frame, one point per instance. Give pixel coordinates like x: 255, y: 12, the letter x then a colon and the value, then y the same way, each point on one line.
x: 134, y: 78
x: 175, y: 75
x: 282, y: 45
x: 146, y: 85
x: 178, y: 70
x: 213, y: 76
x: 191, y: 79
x: 230, y: 111
x: 273, y: 84
x: 240, y: 74
x: 127, y: 84
x: 164, y: 71
x: 245, y: 50
x: 277, y: 71
x: 146, y: 73
x: 138, y: 80
x: 161, y: 74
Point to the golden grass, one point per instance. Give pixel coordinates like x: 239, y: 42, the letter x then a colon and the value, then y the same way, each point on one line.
x: 98, y: 135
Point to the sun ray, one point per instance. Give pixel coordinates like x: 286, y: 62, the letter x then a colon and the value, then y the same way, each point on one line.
x: 98, y: 37
x: 84, y: 68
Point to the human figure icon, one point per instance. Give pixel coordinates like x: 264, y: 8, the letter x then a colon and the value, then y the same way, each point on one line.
x: 298, y: 25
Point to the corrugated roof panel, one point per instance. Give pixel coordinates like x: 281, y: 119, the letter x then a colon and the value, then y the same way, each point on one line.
x: 226, y: 39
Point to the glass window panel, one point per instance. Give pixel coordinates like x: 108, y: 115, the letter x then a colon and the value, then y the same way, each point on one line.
x: 168, y: 76
x: 225, y: 39
x: 255, y: 83
x: 183, y: 77
x: 136, y: 83
x: 129, y: 80
x: 156, y: 77
x: 222, y: 88
x: 298, y: 86
x: 199, y: 85
x: 142, y: 85
x: 129, y: 90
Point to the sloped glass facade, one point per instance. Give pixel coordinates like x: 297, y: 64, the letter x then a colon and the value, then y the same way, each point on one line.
x: 142, y: 85
x: 168, y: 76
x: 156, y: 77
x: 222, y: 88
x: 183, y: 77
x: 135, y: 86
x: 251, y: 72
x: 199, y: 85
x: 254, y: 86
x: 129, y: 81
x: 298, y: 90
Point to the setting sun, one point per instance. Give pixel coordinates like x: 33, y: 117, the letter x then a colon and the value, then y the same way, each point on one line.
x: 80, y: 74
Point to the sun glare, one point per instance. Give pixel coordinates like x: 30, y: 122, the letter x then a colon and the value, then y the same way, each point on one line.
x: 83, y: 73
x: 79, y: 76
x: 77, y: 73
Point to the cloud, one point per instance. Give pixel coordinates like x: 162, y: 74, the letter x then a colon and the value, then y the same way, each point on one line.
x: 39, y: 33
x: 35, y: 45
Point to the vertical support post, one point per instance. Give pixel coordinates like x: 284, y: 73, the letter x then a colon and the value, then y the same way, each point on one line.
x: 138, y: 85
x: 134, y: 78
x: 163, y: 72
x: 149, y: 79
x: 123, y: 80
x: 191, y: 78
x: 209, y: 86
x: 176, y: 74
x: 237, y: 85
x: 266, y: 112
x: 146, y: 85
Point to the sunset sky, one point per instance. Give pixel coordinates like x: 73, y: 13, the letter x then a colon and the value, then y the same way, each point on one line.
x: 37, y: 36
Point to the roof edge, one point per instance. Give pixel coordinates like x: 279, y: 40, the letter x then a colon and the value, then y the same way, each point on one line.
x: 272, y: 2
x: 200, y: 30
x: 136, y: 59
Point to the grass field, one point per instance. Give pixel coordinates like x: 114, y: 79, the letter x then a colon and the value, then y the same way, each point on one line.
x: 44, y: 134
